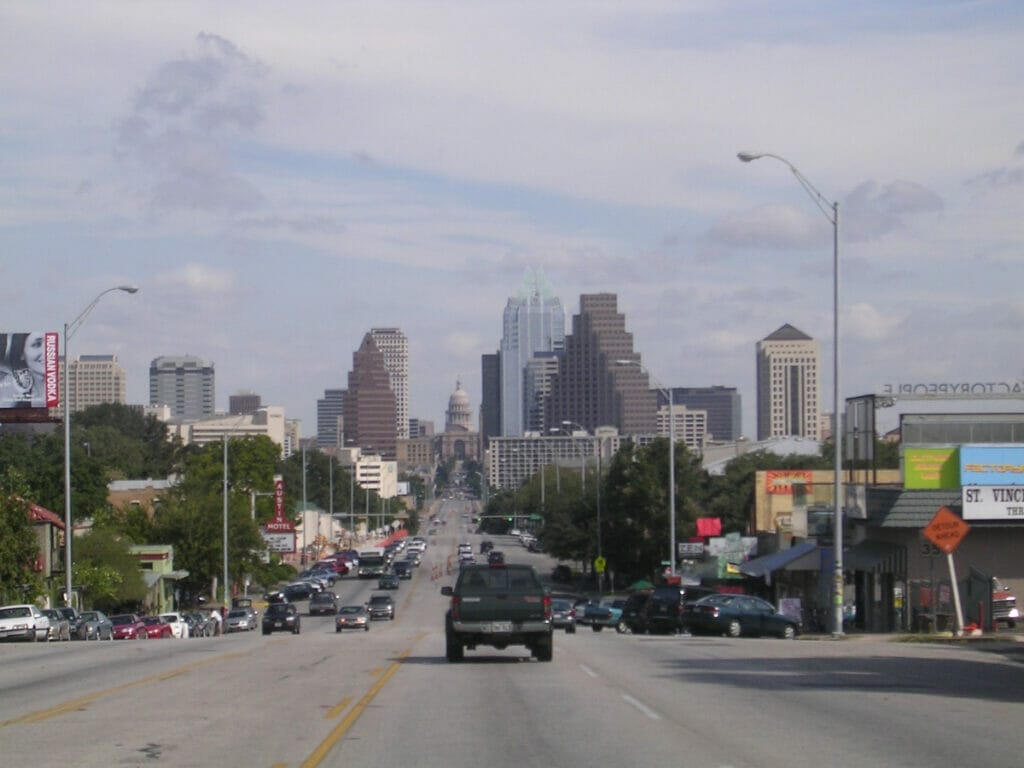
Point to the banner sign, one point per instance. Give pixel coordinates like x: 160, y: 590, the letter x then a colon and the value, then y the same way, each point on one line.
x: 993, y: 502
x: 29, y: 370
x: 992, y: 464
x: 781, y: 481
x: 930, y: 468
x: 279, y: 533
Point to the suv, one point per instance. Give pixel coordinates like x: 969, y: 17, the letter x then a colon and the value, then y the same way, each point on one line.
x: 381, y: 607
x: 632, y: 609
x: 323, y: 602
x: 663, y: 611
x: 281, y: 617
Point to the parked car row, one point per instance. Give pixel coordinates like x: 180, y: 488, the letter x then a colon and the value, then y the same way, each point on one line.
x: 28, y: 622
x: 674, y: 609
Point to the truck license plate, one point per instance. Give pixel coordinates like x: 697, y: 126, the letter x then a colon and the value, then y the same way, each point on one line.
x: 498, y: 627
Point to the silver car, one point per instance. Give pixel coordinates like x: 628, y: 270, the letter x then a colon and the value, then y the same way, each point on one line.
x: 240, y: 620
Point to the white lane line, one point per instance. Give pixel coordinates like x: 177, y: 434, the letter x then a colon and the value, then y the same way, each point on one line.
x: 588, y: 670
x: 642, y: 707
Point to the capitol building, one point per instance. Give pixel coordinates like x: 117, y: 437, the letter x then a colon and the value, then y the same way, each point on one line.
x: 459, y: 439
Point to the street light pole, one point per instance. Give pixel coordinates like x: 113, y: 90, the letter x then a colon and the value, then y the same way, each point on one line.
x: 225, y: 494
x: 69, y: 331
x: 831, y: 211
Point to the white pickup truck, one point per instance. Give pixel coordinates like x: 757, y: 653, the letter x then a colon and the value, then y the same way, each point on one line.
x: 23, y: 622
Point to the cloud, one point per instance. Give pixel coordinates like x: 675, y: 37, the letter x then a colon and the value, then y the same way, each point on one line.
x: 200, y: 278
x: 186, y: 118
x: 462, y: 343
x: 867, y: 322
x: 871, y: 210
x: 1007, y: 176
x: 768, y: 226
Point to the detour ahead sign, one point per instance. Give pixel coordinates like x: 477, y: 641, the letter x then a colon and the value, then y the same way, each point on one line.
x: 946, y: 530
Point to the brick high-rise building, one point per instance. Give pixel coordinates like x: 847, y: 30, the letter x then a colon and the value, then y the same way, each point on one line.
x: 591, y: 389
x: 369, y: 408
x: 788, y: 399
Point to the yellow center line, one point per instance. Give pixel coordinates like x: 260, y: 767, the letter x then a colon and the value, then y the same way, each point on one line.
x: 336, y: 710
x: 350, y: 719
x: 83, y: 701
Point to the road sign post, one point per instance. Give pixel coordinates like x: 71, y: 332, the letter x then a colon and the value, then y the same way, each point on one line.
x: 946, y: 531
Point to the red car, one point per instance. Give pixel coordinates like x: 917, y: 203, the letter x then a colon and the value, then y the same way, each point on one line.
x: 128, y: 626
x: 336, y: 564
x: 157, y: 628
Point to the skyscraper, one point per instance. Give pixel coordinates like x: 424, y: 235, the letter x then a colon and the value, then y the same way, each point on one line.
x: 537, y: 376
x: 788, y: 399
x: 725, y: 415
x: 591, y: 390
x: 490, y: 398
x: 533, y: 322
x: 395, y: 346
x: 93, y: 380
x: 185, y: 384
x: 369, y: 408
x: 329, y: 416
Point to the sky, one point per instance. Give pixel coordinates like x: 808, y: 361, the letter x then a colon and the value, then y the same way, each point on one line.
x: 278, y: 178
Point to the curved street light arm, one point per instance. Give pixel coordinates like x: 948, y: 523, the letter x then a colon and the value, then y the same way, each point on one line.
x: 826, y: 206
x: 74, y: 325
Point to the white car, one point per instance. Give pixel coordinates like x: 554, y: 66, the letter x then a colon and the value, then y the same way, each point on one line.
x: 179, y: 627
x: 23, y: 622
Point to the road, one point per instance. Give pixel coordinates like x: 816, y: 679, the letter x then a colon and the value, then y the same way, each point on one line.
x: 388, y: 697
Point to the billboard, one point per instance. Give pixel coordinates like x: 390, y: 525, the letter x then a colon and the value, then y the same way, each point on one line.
x: 29, y: 370
x: 930, y: 468
x: 992, y: 464
x: 993, y: 502
x: 782, y: 481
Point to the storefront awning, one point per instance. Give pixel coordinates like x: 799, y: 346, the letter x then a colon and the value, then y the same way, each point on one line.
x: 804, y: 556
x: 875, y: 557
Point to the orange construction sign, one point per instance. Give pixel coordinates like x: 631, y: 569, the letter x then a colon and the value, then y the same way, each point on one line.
x: 946, y: 530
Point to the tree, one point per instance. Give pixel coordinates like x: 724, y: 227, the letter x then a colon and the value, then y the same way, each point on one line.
x: 192, y: 518
x: 107, y: 571
x: 18, y: 545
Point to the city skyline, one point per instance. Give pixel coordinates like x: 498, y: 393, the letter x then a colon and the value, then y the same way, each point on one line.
x: 277, y: 180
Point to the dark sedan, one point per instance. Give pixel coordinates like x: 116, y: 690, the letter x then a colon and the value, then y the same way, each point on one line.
x: 281, y: 617
x: 736, y: 615
x: 402, y: 569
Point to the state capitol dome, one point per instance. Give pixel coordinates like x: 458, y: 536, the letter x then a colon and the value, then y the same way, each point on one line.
x: 459, y: 415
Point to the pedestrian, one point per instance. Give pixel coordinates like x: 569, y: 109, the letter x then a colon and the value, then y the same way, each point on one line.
x: 215, y: 615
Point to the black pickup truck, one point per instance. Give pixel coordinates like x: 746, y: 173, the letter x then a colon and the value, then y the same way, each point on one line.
x: 498, y: 605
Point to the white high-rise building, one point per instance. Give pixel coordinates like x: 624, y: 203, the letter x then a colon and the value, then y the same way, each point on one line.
x: 395, y: 346
x: 532, y: 323
x: 93, y: 380
x: 788, y: 389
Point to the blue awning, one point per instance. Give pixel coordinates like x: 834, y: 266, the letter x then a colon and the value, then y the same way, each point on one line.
x: 804, y: 556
